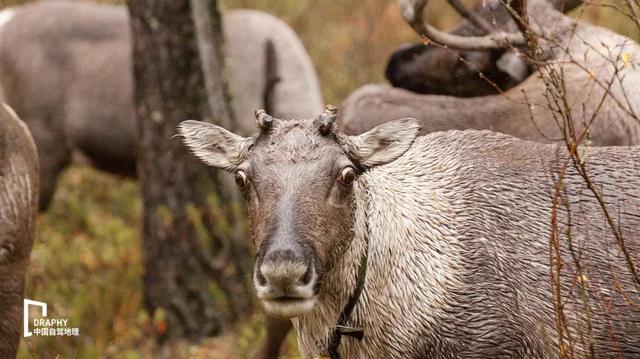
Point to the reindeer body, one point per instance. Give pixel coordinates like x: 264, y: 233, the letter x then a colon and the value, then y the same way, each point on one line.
x: 476, y: 244
x: 18, y: 210
x: 458, y: 264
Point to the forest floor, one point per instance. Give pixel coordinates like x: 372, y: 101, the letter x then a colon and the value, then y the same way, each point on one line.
x: 86, y: 264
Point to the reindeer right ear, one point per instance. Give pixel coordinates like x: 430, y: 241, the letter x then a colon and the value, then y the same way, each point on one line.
x: 214, y: 145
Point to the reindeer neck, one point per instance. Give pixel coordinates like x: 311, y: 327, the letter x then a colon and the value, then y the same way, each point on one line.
x: 395, y: 239
x: 314, y: 329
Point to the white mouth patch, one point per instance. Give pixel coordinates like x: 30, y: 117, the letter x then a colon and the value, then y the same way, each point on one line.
x: 284, y: 299
x: 289, y: 307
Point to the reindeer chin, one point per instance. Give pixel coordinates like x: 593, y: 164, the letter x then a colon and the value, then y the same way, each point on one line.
x: 288, y: 307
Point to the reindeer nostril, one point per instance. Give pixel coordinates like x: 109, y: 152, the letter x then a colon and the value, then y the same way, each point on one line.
x: 306, y: 277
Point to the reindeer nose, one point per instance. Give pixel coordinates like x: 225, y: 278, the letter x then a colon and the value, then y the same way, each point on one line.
x: 284, y: 274
x: 283, y: 269
x: 286, y: 280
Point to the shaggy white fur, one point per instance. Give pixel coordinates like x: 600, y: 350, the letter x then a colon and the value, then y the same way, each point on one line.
x: 459, y: 250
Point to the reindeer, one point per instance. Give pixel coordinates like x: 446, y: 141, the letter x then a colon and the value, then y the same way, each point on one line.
x: 433, y: 69
x: 435, y: 246
x: 600, y: 72
x: 18, y: 210
x: 66, y: 69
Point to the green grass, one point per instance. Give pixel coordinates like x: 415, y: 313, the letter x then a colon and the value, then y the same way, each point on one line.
x: 86, y: 263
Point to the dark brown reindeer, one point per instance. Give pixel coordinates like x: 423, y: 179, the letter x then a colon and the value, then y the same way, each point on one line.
x: 434, y: 69
x: 438, y: 244
x: 600, y: 72
x: 18, y: 210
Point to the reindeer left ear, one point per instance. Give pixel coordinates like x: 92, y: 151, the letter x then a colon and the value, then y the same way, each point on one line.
x: 382, y: 144
x: 214, y: 145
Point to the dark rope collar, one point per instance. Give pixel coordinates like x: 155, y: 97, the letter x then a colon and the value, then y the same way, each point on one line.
x: 341, y: 327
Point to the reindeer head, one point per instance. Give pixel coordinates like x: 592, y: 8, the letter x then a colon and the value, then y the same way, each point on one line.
x: 298, y: 178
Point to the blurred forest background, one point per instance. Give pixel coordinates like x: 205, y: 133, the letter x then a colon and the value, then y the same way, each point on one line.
x: 87, y: 263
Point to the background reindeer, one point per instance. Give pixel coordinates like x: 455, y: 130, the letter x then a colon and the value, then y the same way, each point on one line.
x: 599, y: 74
x: 18, y: 210
x: 430, y: 68
x: 66, y: 69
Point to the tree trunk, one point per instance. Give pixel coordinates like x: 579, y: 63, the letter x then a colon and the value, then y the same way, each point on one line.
x: 178, y: 191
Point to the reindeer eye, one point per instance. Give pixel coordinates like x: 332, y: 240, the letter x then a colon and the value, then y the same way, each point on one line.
x: 347, y: 176
x: 241, y: 178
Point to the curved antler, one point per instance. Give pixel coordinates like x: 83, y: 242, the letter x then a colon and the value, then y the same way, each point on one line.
x: 412, y: 13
